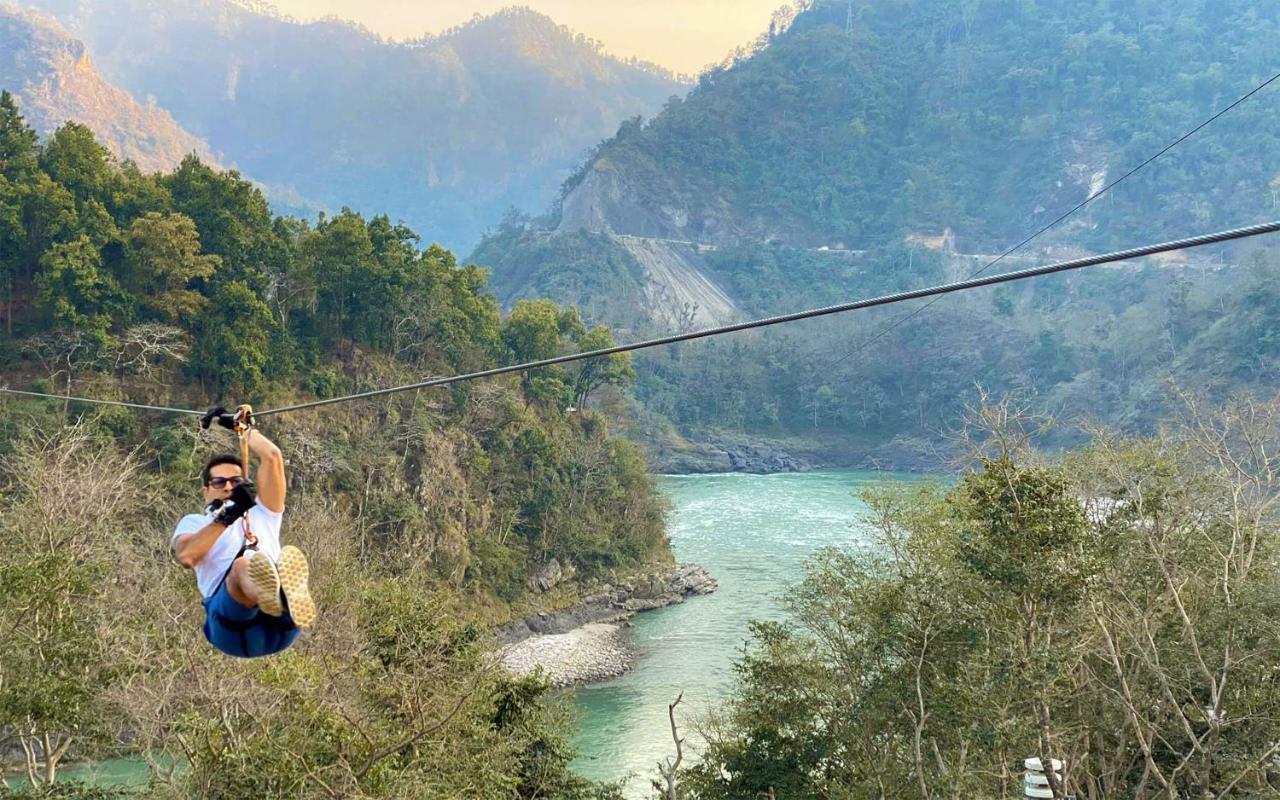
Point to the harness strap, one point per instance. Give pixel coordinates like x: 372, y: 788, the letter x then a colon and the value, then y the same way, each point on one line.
x: 244, y: 427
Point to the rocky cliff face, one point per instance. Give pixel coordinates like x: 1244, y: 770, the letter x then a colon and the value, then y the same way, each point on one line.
x: 679, y: 294
x: 55, y: 81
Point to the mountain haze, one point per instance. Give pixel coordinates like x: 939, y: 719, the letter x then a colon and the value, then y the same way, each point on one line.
x: 55, y: 80
x: 869, y: 147
x: 446, y: 132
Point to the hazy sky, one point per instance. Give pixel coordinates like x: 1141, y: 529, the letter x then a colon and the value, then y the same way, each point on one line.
x: 683, y: 35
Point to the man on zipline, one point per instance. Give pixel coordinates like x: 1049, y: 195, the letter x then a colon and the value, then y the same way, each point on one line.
x: 255, y: 592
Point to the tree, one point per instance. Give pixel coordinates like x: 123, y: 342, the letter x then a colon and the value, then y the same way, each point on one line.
x: 75, y: 159
x: 233, y: 345
x: 19, y: 145
x: 12, y: 237
x: 232, y: 215
x: 74, y: 290
x: 162, y: 254
x: 54, y: 570
x: 1113, y: 610
x: 340, y: 256
x: 439, y: 497
x: 532, y: 331
x: 143, y: 349
x: 611, y: 370
x: 48, y: 216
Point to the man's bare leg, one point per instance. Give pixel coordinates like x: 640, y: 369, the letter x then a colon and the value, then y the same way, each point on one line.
x: 240, y: 586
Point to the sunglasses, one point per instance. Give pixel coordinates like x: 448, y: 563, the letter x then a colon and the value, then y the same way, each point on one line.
x: 218, y: 483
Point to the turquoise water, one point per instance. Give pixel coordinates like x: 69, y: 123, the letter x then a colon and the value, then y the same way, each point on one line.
x: 113, y: 772
x: 754, y: 533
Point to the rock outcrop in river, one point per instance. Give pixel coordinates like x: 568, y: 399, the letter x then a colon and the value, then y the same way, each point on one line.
x: 585, y: 643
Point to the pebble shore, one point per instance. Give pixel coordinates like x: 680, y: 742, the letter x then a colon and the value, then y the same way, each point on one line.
x: 588, y: 643
x: 594, y: 652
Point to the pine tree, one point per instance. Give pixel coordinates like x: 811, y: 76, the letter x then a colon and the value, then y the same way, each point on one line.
x: 18, y: 142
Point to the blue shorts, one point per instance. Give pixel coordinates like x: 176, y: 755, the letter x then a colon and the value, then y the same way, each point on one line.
x: 245, y: 632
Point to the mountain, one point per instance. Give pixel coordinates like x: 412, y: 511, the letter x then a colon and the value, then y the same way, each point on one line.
x: 866, y: 147
x: 55, y: 81
x: 984, y: 118
x: 445, y: 132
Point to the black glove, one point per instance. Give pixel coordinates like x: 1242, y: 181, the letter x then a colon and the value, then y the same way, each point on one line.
x: 219, y: 415
x: 242, y: 499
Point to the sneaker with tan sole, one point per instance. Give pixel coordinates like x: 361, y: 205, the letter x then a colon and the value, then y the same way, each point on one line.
x: 266, y: 580
x: 293, y: 582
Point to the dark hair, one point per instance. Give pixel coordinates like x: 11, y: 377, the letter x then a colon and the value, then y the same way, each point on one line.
x: 215, y: 461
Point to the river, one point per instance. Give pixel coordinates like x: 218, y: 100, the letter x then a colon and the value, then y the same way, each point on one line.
x: 754, y: 533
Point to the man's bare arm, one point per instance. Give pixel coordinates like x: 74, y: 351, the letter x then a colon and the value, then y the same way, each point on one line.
x: 271, y: 480
x: 189, y: 548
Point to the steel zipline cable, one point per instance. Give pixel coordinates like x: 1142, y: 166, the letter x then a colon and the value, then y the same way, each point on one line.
x: 120, y: 403
x: 855, y: 305
x: 884, y: 300
x: 915, y: 312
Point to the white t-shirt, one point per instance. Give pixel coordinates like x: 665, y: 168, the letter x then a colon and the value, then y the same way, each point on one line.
x: 263, y: 522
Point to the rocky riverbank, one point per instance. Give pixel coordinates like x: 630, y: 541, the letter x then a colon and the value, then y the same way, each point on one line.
x: 672, y: 454
x: 586, y: 643
x: 684, y: 457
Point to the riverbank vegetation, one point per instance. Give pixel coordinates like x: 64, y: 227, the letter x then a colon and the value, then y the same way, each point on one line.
x: 423, y: 514
x: 1114, y: 607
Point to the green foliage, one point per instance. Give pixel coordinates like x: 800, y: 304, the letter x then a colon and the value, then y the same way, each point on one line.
x: 532, y: 331
x: 18, y: 142
x: 75, y: 291
x: 75, y: 159
x: 1029, y: 609
x: 615, y: 370
x: 816, y: 139
x: 59, y: 668
x: 826, y: 164
x: 55, y: 574
x: 1022, y: 529
x: 519, y: 705
x: 231, y: 215
x: 232, y: 349
x: 162, y: 255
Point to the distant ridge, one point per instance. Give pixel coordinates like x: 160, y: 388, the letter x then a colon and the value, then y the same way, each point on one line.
x: 445, y: 132
x: 55, y: 81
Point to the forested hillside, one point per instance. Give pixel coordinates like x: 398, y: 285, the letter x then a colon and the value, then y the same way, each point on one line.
x: 857, y: 150
x: 445, y: 132
x: 54, y: 77
x: 983, y: 117
x: 423, y: 513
